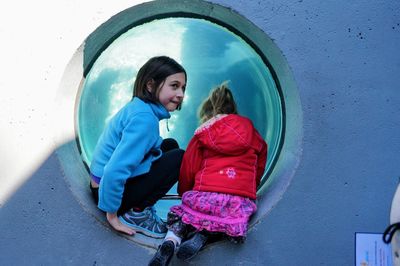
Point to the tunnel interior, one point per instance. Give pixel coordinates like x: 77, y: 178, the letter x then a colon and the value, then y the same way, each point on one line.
x: 211, y: 54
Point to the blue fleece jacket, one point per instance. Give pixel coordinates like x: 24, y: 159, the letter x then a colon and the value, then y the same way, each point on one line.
x: 128, y: 145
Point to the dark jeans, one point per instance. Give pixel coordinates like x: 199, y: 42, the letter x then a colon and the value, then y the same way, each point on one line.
x: 145, y: 190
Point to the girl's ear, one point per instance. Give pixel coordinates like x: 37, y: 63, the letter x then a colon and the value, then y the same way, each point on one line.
x: 150, y: 85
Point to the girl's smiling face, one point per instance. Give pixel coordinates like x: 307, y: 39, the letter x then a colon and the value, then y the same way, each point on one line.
x: 172, y: 91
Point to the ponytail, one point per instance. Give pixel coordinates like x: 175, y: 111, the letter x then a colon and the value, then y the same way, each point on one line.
x: 220, y: 101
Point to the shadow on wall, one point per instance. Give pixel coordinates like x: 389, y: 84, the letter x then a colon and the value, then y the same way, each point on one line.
x: 43, y: 224
x: 46, y: 222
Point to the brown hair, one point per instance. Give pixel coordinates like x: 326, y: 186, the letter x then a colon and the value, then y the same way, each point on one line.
x: 220, y: 101
x: 155, y: 70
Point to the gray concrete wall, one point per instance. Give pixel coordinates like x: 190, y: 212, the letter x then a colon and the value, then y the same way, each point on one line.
x: 345, y: 61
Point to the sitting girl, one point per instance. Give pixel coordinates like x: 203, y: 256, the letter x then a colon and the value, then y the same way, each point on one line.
x: 218, y: 180
x: 132, y: 166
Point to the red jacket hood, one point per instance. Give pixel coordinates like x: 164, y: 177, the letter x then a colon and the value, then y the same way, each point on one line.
x: 219, y: 137
x: 226, y: 155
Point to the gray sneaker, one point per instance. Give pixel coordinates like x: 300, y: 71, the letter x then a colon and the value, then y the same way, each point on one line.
x: 146, y: 222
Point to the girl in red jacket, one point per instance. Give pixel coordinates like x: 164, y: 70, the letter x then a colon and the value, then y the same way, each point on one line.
x: 220, y: 173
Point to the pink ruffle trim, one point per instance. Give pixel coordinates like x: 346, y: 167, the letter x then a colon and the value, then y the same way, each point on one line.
x: 231, y: 217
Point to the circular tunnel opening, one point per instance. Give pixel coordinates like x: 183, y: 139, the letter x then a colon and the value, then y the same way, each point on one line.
x: 214, y: 44
x: 210, y: 54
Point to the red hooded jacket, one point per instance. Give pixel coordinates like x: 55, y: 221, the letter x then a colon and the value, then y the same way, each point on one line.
x: 226, y: 155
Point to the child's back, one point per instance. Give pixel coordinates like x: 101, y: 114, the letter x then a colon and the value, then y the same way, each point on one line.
x: 232, y: 161
x: 220, y: 172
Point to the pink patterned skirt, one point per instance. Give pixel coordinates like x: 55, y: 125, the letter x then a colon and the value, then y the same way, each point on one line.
x: 216, y: 212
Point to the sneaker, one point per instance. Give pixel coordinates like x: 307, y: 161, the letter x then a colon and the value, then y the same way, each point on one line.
x: 191, y: 247
x: 146, y: 222
x: 164, y: 254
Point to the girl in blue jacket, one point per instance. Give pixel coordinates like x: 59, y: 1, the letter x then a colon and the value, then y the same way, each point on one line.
x: 132, y: 166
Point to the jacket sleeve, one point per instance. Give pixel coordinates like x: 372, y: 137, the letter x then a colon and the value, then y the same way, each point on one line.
x: 262, y: 159
x: 191, y: 164
x: 134, y: 144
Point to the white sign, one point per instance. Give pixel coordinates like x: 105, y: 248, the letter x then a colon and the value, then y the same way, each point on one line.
x: 372, y: 251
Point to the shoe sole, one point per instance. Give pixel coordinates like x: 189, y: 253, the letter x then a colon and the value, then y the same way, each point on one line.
x: 165, y: 256
x: 189, y: 250
x: 142, y: 230
x: 186, y: 254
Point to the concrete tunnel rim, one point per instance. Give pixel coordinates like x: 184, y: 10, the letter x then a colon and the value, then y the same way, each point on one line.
x: 71, y: 84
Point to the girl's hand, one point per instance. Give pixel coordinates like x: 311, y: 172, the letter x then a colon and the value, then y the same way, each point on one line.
x: 112, y: 218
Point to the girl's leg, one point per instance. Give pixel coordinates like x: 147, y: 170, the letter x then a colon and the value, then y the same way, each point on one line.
x: 179, y: 228
x: 164, y: 253
x: 169, y: 144
x: 142, y: 192
x: 191, y: 247
x: 176, y: 230
x: 95, y: 193
x: 145, y: 190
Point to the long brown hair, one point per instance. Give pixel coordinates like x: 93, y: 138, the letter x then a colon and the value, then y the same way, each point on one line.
x: 220, y: 101
x: 155, y: 70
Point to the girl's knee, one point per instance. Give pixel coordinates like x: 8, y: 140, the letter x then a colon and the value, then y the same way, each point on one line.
x: 180, y: 154
x: 175, y: 157
x: 169, y: 144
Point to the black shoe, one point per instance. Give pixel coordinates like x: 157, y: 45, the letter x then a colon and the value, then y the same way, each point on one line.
x: 164, y: 254
x: 191, y: 247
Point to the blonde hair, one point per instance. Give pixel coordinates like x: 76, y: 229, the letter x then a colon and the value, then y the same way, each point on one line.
x: 220, y: 101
